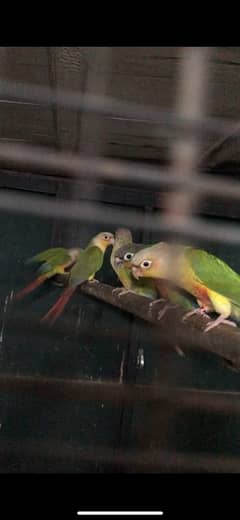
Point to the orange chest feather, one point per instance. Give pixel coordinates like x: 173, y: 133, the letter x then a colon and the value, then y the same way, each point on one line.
x: 196, y: 288
x: 201, y: 293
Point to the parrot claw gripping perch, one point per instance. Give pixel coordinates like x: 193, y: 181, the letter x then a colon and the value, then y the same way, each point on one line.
x: 156, y: 301
x: 164, y: 310
x: 125, y: 291
x: 160, y: 300
x: 200, y: 311
x: 117, y: 290
x: 218, y: 321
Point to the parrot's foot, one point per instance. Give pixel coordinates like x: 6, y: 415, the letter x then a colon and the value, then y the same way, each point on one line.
x: 165, y: 308
x: 156, y: 301
x: 125, y: 291
x: 199, y: 310
x: 217, y: 322
x: 121, y: 291
x: 153, y: 303
x: 93, y: 281
x: 116, y: 290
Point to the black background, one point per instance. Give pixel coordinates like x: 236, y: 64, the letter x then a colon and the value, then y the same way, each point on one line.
x: 61, y: 496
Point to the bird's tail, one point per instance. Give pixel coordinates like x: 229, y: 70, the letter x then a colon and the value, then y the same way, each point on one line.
x: 58, y: 307
x: 30, y: 287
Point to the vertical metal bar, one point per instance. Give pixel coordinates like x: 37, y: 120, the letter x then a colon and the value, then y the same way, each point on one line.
x: 95, y: 83
x: 185, y: 157
x: 92, y: 129
x: 89, y: 139
x: 191, y: 102
x: 51, y: 57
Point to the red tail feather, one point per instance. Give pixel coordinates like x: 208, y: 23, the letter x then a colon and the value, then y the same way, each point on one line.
x: 58, y: 307
x: 30, y: 287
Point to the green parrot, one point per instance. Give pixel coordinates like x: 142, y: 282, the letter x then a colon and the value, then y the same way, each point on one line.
x: 123, y: 250
x: 89, y: 261
x: 121, y: 262
x: 211, y: 281
x: 53, y: 261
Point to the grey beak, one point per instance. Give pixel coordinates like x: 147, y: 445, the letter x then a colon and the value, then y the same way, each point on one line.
x: 134, y: 269
x: 118, y: 261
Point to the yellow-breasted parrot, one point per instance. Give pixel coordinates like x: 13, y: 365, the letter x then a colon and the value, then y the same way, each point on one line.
x: 53, y: 261
x: 121, y: 262
x: 211, y: 281
x: 89, y: 261
x: 123, y: 250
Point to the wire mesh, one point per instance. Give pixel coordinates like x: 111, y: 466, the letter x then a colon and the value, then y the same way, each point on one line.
x: 184, y: 182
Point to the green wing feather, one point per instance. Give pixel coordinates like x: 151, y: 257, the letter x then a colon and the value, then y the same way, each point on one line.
x: 89, y: 262
x: 214, y: 274
x: 54, y: 255
x: 178, y: 298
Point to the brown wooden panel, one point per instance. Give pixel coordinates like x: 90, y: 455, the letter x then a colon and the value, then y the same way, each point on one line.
x: 23, y: 121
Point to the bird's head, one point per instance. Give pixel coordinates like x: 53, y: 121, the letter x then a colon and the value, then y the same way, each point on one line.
x: 151, y: 262
x: 124, y: 255
x: 103, y: 240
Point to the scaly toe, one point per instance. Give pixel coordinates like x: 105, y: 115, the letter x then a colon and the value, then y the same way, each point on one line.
x: 125, y: 291
x: 188, y: 315
x: 156, y: 301
x: 163, y: 311
x: 116, y: 290
x: 202, y: 312
x: 231, y: 323
x: 214, y: 325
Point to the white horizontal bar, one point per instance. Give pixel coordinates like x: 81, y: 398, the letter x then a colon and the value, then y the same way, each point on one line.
x: 120, y: 513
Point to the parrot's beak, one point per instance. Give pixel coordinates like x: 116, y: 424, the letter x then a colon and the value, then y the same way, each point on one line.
x: 135, y: 272
x: 112, y: 241
x: 118, y: 261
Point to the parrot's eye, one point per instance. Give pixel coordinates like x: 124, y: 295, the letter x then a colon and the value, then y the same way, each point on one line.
x: 106, y: 237
x: 146, y: 264
x: 128, y: 256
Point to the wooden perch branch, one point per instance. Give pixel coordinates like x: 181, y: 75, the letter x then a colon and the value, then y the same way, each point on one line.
x: 223, y: 341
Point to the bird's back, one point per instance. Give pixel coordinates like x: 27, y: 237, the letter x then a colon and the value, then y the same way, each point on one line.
x: 90, y: 260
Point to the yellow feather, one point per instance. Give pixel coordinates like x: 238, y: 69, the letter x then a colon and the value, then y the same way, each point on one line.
x: 220, y: 303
